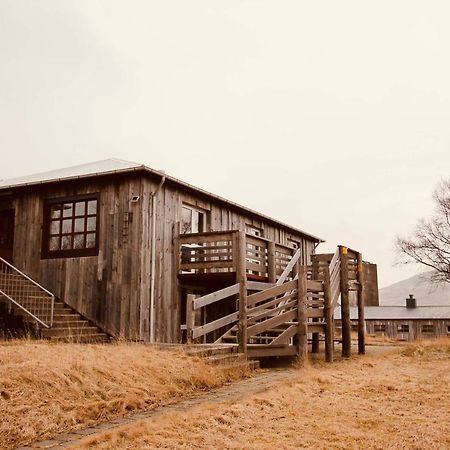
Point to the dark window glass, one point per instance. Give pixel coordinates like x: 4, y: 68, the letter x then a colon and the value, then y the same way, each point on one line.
x: 71, y: 227
x: 427, y: 328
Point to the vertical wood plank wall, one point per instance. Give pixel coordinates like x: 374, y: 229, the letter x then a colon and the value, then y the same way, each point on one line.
x: 112, y: 288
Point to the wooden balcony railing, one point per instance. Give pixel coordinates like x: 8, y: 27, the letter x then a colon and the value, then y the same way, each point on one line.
x: 221, y: 251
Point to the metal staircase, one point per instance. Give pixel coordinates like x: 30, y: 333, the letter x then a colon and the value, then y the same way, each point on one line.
x: 38, y: 307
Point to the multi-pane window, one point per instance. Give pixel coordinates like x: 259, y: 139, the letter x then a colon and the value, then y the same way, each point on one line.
x: 71, y: 227
x: 403, y: 328
x: 379, y: 328
x: 427, y: 328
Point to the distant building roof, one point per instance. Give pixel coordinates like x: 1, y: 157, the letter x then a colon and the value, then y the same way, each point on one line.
x: 399, y: 313
x: 115, y: 166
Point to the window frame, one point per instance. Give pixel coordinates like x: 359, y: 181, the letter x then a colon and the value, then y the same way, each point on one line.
x: 427, y: 328
x: 46, y: 253
x: 201, y: 213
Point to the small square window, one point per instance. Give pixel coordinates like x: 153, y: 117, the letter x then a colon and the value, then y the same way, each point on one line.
x: 403, y: 328
x: 379, y: 328
x: 427, y: 328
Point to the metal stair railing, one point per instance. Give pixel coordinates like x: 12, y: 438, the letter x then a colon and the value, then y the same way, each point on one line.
x: 25, y: 293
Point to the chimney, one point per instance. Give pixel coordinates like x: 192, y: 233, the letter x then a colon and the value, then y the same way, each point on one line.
x: 411, y: 302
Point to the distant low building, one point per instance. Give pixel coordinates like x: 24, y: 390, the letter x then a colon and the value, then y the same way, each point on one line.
x: 403, y: 323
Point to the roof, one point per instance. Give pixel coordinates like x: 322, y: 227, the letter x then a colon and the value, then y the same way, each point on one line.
x: 399, y: 312
x: 117, y: 166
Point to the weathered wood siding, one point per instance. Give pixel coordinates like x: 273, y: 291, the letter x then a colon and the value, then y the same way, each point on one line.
x: 111, y: 288
x: 220, y: 217
x: 440, y: 328
x: 105, y: 288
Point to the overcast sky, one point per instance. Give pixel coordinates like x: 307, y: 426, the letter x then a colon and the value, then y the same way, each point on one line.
x: 333, y: 116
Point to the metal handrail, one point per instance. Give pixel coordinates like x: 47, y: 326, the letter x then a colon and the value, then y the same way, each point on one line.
x: 16, y: 291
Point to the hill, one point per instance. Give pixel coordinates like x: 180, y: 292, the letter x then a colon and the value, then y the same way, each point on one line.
x: 426, y: 293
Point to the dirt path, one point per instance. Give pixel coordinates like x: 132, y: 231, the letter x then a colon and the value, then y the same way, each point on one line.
x: 258, y: 383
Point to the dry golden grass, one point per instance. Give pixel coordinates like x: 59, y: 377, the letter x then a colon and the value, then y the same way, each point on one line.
x: 396, y: 400
x: 46, y: 389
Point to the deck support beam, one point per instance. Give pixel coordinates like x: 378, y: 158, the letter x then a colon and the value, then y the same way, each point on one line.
x: 190, y: 318
x: 328, y: 315
x: 361, y: 321
x: 302, y: 336
x: 345, y: 305
x: 315, y: 343
x: 241, y: 278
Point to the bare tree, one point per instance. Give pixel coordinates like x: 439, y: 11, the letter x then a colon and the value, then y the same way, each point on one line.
x: 429, y: 244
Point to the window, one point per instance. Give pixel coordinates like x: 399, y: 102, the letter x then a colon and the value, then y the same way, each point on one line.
x: 293, y: 244
x: 71, y: 227
x: 254, y: 231
x: 427, y: 328
x: 379, y: 328
x: 403, y: 328
x: 193, y: 220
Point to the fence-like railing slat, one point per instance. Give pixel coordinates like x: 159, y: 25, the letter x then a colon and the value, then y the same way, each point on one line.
x: 216, y: 296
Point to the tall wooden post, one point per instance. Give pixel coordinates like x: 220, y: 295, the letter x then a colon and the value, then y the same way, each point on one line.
x: 241, y: 278
x: 190, y: 318
x: 302, y: 336
x: 315, y: 276
x: 271, y: 265
x: 361, y: 321
x: 345, y: 305
x: 328, y: 314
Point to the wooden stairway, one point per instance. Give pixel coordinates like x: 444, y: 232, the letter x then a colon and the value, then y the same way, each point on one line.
x: 271, y: 319
x: 54, y: 319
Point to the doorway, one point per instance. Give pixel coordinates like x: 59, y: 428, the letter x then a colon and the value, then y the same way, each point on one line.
x: 6, y: 234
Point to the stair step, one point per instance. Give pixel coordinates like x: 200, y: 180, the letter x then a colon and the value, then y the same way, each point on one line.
x: 100, y: 338
x: 212, y: 351
x: 70, y: 323
x: 68, y: 331
x: 67, y: 317
x: 225, y: 359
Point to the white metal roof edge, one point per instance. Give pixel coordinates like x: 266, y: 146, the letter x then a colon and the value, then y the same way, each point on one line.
x: 143, y: 167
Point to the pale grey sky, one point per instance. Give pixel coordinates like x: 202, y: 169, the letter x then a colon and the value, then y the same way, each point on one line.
x: 332, y: 116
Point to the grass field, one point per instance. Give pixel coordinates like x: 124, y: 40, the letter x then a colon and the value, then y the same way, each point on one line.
x: 389, y: 401
x: 46, y: 389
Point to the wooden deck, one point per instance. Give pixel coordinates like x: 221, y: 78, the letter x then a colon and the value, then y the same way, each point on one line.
x: 268, y: 302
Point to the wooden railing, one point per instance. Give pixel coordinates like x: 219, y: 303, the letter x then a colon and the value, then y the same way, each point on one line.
x: 219, y: 252
x: 276, y: 318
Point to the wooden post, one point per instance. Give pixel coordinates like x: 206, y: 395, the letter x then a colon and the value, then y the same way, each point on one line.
x: 345, y: 305
x: 315, y: 276
x: 271, y: 265
x: 302, y: 336
x: 361, y: 321
x: 241, y: 278
x: 190, y: 318
x: 328, y: 314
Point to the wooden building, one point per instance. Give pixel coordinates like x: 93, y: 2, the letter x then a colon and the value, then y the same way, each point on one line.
x: 123, y: 244
x: 404, y: 323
